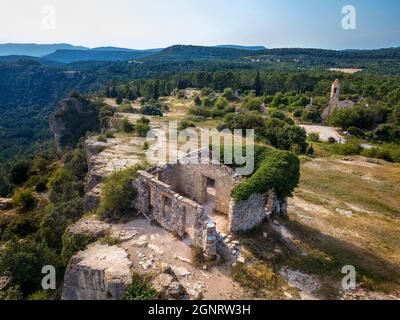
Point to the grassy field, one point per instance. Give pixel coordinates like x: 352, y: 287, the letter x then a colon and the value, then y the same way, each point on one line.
x: 348, y: 213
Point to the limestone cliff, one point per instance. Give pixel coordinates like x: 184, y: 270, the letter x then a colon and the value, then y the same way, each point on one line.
x: 74, y: 117
x: 101, y: 272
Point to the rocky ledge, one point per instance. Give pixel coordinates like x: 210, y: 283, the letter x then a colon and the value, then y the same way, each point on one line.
x: 101, y: 272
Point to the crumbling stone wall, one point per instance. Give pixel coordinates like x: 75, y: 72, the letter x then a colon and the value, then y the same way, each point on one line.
x: 157, y: 201
x: 150, y: 201
x: 191, y: 180
x: 248, y: 214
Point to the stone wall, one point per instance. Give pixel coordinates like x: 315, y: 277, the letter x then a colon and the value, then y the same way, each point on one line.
x: 160, y: 203
x: 151, y: 199
x: 247, y: 214
x: 191, y: 180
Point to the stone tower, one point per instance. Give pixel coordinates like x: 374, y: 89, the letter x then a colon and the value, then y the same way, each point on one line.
x: 334, y: 100
x: 335, y: 94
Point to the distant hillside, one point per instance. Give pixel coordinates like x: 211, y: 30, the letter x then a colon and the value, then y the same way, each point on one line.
x: 104, y: 54
x: 35, y: 50
x: 249, y: 48
x: 193, y: 53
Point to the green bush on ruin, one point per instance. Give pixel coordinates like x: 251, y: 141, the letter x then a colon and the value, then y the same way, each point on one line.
x: 273, y: 170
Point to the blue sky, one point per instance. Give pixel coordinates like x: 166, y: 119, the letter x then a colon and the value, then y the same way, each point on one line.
x: 160, y: 23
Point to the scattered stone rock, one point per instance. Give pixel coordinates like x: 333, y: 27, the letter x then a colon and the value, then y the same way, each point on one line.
x: 346, y: 213
x: 195, y: 291
x: 4, y: 282
x: 139, y: 243
x: 180, y: 271
x: 162, y: 282
x: 5, y: 203
x: 175, y: 291
x: 148, y: 264
x: 156, y: 249
x: 183, y: 259
x: 241, y: 259
x: 373, y: 161
x: 305, y: 283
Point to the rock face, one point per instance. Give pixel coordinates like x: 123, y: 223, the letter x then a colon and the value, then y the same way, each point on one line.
x: 74, y: 117
x: 101, y: 272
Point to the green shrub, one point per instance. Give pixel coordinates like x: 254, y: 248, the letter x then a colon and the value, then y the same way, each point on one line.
x: 388, y: 133
x: 24, y: 260
x: 64, y: 186
x: 310, y: 150
x: 23, y: 198
x: 347, y: 149
x: 221, y: 103
x: 252, y: 103
x: 387, y: 152
x: 117, y: 193
x: 143, y: 126
x: 39, y: 295
x: 11, y: 293
x: 184, y: 124
x: 331, y: 140
x: 105, y: 114
x: 314, y: 137
x: 311, y: 114
x: 229, y: 94
x: 102, y: 138
x: 73, y: 243
x: 22, y: 226
x: 356, y: 132
x: 125, y: 108
x: 41, y: 185
x: 139, y: 290
x: 274, y: 170
x: 20, y: 172
x: 127, y: 127
x: 151, y: 110
x: 197, y: 101
x: 53, y: 225
x: 206, y: 91
x: 110, y: 135
x: 77, y: 164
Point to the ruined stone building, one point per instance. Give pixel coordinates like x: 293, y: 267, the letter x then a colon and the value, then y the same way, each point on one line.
x: 334, y: 101
x: 194, y: 199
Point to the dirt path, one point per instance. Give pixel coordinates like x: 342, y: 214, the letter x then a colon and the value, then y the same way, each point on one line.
x: 154, y: 246
x: 324, y: 132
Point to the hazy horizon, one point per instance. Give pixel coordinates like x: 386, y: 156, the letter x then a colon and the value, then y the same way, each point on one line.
x: 139, y: 24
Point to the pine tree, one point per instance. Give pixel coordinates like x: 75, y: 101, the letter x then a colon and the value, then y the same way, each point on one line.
x: 258, y: 84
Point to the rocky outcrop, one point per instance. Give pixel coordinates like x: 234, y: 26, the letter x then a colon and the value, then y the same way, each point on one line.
x: 167, y: 285
x: 5, y: 203
x: 72, y: 120
x: 101, y: 272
